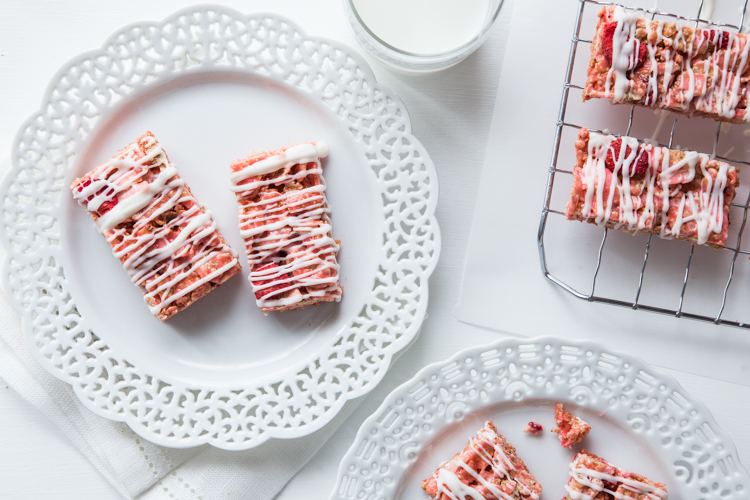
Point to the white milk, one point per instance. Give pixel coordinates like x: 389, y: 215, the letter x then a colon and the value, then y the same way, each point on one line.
x: 424, y: 26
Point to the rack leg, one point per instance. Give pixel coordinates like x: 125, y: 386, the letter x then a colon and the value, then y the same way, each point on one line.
x: 685, y: 281
x: 598, y: 265
x: 643, y: 270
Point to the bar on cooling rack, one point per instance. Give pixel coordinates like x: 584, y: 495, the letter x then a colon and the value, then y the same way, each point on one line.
x: 284, y: 220
x: 675, y: 194
x: 488, y: 467
x: 692, y: 71
x: 593, y: 477
x: 166, y: 241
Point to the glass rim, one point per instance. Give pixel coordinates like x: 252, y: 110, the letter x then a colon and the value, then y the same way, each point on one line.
x: 418, y: 55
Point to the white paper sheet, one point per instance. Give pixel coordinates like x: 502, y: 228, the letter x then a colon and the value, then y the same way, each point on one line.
x: 503, y: 286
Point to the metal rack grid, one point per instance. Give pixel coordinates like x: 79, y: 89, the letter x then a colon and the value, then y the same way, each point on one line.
x: 553, y: 170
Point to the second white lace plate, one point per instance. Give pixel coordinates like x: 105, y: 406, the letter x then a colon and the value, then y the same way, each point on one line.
x: 641, y: 419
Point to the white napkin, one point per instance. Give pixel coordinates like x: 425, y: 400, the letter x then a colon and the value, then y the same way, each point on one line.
x: 136, y: 467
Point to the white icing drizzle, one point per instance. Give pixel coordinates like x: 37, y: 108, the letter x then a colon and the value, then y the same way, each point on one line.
x: 300, y: 153
x: 584, y: 476
x: 295, y: 221
x: 706, y: 206
x: 719, y: 94
x: 155, y: 257
x: 625, y: 50
x: 449, y: 484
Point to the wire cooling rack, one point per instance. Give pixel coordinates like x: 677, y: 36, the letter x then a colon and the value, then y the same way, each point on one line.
x: 562, y: 124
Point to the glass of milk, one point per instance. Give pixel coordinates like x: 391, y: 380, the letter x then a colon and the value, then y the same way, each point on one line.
x: 421, y: 35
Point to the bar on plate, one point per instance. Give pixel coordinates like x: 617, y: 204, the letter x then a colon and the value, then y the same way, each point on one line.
x: 658, y: 64
x: 488, y: 467
x: 284, y: 220
x: 593, y: 477
x: 166, y: 241
x: 675, y: 194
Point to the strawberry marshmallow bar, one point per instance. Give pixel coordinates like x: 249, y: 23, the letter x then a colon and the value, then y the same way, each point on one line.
x: 679, y: 195
x: 487, y: 468
x: 166, y: 241
x: 592, y: 477
x: 284, y: 221
x: 692, y: 71
x: 570, y: 429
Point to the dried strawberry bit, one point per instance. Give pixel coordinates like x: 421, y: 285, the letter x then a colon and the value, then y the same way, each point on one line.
x: 724, y: 42
x: 533, y: 428
x: 639, y: 166
x: 106, y: 206
x: 259, y: 294
x: 84, y: 184
x: 642, y: 53
x: 608, y: 42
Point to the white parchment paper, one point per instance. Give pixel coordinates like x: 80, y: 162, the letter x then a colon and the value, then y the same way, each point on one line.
x: 503, y: 286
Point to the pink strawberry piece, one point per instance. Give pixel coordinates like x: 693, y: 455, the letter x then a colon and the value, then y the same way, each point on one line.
x: 259, y: 294
x: 533, y: 428
x: 608, y: 45
x: 724, y: 42
x: 639, y: 166
x: 107, y: 206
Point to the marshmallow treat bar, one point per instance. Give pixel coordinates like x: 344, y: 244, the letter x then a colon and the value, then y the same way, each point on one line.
x: 284, y: 220
x: 623, y: 184
x: 166, y: 241
x: 692, y: 71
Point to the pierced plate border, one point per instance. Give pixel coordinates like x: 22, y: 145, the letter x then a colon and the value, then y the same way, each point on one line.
x: 137, y: 58
x: 651, y: 403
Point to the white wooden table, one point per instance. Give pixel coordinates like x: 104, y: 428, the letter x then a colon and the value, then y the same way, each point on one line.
x: 451, y: 112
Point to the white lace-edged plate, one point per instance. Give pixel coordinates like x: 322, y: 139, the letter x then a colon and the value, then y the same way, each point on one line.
x: 213, y: 85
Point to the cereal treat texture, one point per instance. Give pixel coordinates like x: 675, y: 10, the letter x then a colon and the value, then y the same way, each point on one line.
x: 533, y: 428
x: 570, y: 429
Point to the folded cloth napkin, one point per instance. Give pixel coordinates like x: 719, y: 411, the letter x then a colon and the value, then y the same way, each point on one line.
x: 140, y: 469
